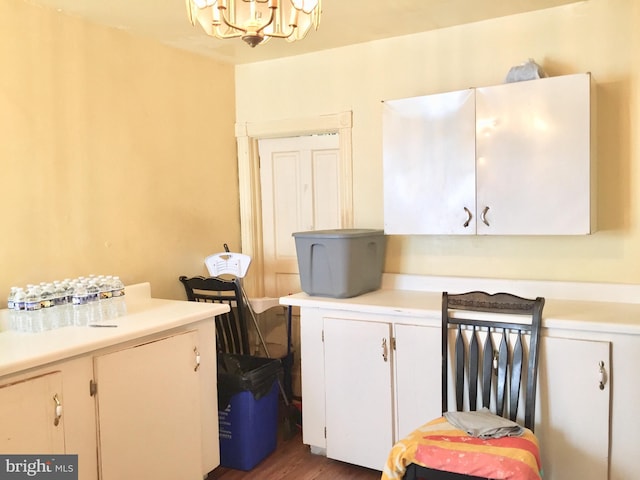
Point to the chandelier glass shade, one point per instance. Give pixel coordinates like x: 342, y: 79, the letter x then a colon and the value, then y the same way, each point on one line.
x: 255, y: 21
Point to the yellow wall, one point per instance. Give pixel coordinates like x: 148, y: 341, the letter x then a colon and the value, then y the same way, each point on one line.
x: 117, y: 154
x: 598, y: 36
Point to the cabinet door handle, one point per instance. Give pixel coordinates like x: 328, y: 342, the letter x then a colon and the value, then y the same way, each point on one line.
x: 197, y: 353
x: 469, y: 217
x: 602, y: 375
x: 58, y: 414
x: 483, y: 216
x: 385, y: 350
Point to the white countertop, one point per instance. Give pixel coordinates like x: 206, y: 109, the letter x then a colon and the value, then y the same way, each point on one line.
x: 619, y: 316
x: 145, y: 316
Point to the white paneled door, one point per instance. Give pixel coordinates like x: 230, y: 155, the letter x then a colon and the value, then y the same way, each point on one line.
x: 300, y: 187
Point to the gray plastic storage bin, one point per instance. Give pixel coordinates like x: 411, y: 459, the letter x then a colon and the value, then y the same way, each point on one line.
x: 340, y: 263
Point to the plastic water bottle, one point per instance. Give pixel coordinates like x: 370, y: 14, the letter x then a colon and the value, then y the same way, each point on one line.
x: 59, y: 300
x: 68, y: 290
x: 19, y: 299
x: 117, y: 286
x: 66, y: 303
x: 46, y: 295
x: 48, y: 313
x: 32, y: 306
x: 93, y: 297
x: 117, y: 294
x: 106, y: 297
x: 11, y: 297
x: 13, y: 314
x: 18, y: 315
x: 80, y: 302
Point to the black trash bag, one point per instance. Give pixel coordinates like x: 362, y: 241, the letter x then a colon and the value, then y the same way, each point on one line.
x: 245, y: 373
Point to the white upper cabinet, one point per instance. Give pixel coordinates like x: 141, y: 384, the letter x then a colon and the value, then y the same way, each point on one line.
x: 533, y: 157
x: 429, y: 164
x: 511, y: 159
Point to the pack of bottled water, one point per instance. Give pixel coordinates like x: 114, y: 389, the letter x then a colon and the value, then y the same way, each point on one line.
x: 79, y: 301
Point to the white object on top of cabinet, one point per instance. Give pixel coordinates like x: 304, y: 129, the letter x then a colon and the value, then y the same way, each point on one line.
x: 512, y: 159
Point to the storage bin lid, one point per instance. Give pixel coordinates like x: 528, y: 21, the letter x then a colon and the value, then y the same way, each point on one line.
x: 340, y: 233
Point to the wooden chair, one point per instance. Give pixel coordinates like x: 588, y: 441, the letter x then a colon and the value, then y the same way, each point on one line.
x: 490, y: 346
x: 231, y: 328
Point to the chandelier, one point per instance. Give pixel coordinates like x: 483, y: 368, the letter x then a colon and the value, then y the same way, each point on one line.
x: 255, y: 21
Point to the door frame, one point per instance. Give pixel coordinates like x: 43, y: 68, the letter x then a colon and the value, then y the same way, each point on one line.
x: 247, y: 136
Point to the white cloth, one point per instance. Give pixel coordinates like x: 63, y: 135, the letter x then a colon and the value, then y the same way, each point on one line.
x: 484, y: 424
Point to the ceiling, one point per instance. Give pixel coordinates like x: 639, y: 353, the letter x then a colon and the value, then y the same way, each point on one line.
x: 343, y: 22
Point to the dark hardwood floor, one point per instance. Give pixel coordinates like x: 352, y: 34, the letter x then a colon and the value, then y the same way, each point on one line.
x: 293, y: 460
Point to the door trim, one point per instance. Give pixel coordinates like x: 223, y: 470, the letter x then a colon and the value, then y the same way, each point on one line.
x: 247, y: 136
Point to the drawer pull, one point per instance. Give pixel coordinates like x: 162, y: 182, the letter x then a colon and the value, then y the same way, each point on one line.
x: 58, y: 415
x: 197, y: 353
x: 469, y: 217
x: 483, y: 216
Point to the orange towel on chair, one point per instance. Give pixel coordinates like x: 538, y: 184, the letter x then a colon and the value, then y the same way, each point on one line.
x: 441, y: 446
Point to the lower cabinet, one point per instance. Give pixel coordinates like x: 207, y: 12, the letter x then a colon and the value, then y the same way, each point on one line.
x: 358, y: 391
x: 149, y: 418
x: 417, y: 372
x: 573, y: 408
x: 31, y: 416
x: 140, y: 410
x: 369, y: 379
x: 380, y: 381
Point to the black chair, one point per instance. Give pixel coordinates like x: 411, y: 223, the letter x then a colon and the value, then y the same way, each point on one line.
x: 490, y: 349
x: 231, y: 327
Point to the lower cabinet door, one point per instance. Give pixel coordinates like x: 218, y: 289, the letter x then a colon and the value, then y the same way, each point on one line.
x: 148, y: 400
x: 573, y: 408
x: 32, y: 416
x: 418, y: 359
x: 358, y: 365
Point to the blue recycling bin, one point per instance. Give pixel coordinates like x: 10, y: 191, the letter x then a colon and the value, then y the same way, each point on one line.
x: 247, y: 409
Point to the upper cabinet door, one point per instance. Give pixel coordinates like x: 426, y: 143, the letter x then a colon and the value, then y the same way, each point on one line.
x: 429, y: 164
x: 533, y: 157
